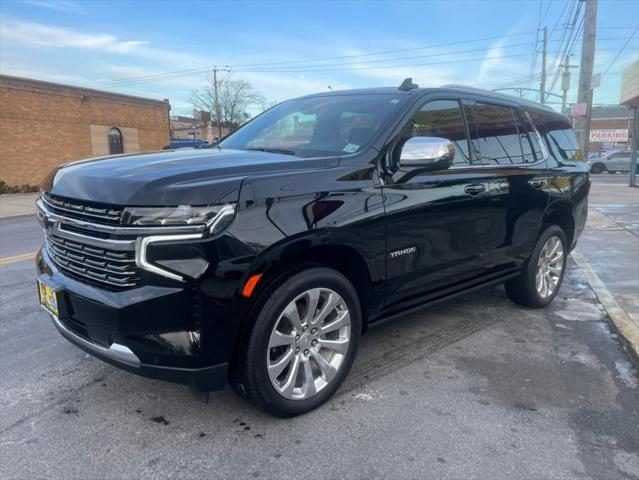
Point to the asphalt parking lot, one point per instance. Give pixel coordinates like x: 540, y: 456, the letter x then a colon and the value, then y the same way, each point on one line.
x: 477, y: 388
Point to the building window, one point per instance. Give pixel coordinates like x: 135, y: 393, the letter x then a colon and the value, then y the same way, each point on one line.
x: 115, y: 141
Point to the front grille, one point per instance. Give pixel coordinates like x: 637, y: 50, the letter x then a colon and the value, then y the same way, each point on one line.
x: 112, y: 269
x: 87, y: 211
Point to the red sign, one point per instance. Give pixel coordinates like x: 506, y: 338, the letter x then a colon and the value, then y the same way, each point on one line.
x: 579, y: 110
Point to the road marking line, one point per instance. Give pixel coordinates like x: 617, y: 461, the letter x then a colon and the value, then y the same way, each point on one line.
x: 621, y: 321
x: 17, y: 258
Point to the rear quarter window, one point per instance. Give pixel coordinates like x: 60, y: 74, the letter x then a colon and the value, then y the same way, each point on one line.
x: 558, y: 135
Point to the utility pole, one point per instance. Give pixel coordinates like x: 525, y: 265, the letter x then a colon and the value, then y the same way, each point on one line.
x: 542, y: 87
x: 632, y: 181
x: 584, y: 94
x: 217, y: 104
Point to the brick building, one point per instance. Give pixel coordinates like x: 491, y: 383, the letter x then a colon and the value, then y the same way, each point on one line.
x: 607, y: 121
x: 44, y: 124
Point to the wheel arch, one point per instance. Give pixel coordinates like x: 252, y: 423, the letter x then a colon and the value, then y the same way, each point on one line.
x: 561, y: 214
x: 301, y: 253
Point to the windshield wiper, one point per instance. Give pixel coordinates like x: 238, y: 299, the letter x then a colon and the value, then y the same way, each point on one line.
x: 272, y: 150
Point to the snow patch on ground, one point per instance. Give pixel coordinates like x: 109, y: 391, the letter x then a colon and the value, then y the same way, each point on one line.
x: 627, y: 373
x: 576, y: 310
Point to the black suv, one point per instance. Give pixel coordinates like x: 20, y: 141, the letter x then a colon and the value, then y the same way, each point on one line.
x: 261, y: 262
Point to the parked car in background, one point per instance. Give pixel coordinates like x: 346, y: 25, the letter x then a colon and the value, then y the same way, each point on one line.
x: 612, y: 162
x: 263, y: 260
x: 188, y: 143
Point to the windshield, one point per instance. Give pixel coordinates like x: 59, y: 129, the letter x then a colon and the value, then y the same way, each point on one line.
x: 317, y: 126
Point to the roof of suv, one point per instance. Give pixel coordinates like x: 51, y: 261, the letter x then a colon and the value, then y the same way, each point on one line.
x: 452, y: 88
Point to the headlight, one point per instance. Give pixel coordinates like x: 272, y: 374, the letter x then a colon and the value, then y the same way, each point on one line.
x: 215, y: 217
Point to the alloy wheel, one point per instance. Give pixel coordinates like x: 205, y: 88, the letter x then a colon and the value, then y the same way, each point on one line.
x: 549, y: 267
x: 308, y: 343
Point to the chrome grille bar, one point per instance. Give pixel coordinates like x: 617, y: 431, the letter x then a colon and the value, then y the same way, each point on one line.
x: 106, y: 214
x: 113, y: 269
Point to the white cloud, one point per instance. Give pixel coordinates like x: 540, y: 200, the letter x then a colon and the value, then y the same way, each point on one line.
x: 39, y: 35
x: 67, y: 6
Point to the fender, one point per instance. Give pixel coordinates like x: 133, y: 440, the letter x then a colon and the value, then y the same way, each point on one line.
x: 333, y: 216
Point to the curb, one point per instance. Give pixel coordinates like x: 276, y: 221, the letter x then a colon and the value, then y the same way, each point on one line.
x: 620, y: 320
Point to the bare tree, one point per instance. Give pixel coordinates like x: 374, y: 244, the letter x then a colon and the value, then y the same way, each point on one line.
x: 236, y: 97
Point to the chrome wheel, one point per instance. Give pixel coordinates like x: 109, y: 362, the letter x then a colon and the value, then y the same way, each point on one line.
x: 308, y: 343
x: 549, y: 267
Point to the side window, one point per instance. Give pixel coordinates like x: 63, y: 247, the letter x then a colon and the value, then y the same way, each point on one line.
x: 529, y: 140
x: 441, y: 118
x: 558, y: 135
x: 495, y: 137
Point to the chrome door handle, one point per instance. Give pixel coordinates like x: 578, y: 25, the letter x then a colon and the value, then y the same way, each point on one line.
x: 475, y: 189
x: 537, y: 182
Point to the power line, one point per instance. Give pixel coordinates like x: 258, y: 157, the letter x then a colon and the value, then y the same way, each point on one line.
x: 314, y: 68
x: 385, y: 52
x: 545, y: 12
x: 479, y: 59
x: 620, y: 51
x: 570, y: 44
x: 171, y: 75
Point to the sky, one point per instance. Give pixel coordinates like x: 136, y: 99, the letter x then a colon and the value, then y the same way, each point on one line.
x: 288, y: 49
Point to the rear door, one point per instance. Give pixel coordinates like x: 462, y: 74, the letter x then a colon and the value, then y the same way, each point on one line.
x: 472, y: 222
x: 507, y: 149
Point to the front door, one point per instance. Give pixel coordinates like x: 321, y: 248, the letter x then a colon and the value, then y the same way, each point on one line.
x: 452, y: 227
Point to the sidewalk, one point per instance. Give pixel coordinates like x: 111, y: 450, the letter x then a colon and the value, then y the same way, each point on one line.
x: 608, y: 251
x: 17, y: 204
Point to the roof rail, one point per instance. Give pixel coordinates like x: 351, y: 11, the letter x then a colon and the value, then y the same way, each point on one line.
x: 464, y: 87
x: 408, y: 85
x: 497, y: 94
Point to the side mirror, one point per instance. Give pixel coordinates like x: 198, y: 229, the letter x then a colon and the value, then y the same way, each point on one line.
x: 427, y: 153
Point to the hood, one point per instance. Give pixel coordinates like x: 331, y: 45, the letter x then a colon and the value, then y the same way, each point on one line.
x: 176, y: 177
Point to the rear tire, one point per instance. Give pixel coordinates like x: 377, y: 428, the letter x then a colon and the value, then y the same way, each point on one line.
x: 597, y: 168
x: 291, y: 358
x: 541, y: 278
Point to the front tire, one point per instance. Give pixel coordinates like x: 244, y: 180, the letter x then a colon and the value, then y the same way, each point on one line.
x: 540, y: 280
x: 597, y: 168
x: 299, y: 343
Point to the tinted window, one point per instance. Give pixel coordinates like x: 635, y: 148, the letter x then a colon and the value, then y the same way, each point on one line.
x: 494, y: 135
x: 316, y: 126
x: 441, y: 118
x: 529, y: 139
x: 557, y: 134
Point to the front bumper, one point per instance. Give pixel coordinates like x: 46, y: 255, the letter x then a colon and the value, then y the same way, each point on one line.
x: 151, y: 331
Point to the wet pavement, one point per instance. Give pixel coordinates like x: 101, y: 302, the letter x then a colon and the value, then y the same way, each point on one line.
x: 476, y: 388
x: 611, y: 241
